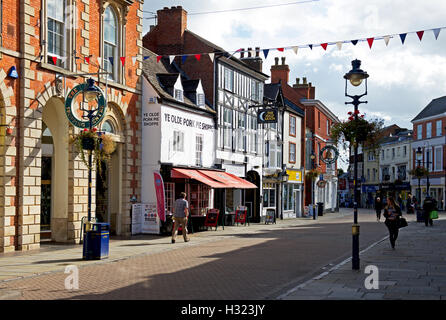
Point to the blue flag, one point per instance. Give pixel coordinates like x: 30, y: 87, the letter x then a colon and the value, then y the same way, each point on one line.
x: 146, y: 57
x: 111, y: 60
x: 183, y: 59
x: 265, y: 52
x: 311, y: 46
x: 403, y: 37
x: 354, y: 42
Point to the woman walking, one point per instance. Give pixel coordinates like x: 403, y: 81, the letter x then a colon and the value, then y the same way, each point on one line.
x: 392, y: 212
x: 378, y: 208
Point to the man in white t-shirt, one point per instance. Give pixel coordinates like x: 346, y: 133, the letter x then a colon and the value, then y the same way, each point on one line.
x: 180, y: 216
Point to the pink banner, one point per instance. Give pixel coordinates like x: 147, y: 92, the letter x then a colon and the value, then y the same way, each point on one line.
x: 159, y: 189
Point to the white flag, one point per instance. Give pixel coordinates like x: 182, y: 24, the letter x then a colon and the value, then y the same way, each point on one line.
x: 63, y: 59
x: 99, y: 60
x: 386, y: 40
x: 339, y: 45
x: 211, y: 56
x: 134, y: 60
x: 295, y: 49
x: 171, y: 58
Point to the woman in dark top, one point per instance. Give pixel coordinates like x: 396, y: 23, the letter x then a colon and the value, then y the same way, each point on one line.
x: 392, y: 212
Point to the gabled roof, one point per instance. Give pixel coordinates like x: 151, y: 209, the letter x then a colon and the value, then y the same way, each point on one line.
x: 163, y: 77
x: 435, y: 107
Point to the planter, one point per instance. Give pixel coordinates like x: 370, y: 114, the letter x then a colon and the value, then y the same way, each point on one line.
x: 88, y: 143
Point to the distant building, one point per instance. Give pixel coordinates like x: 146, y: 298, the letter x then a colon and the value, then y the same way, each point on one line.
x: 429, y: 134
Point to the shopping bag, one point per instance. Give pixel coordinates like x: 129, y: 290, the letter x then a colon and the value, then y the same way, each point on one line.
x: 402, y: 223
x: 434, y: 214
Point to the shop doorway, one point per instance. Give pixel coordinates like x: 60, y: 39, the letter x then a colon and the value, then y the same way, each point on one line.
x: 298, y: 203
x: 46, y: 183
x: 253, y: 195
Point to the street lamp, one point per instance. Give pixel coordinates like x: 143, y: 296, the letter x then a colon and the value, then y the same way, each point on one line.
x: 355, y: 76
x: 313, y: 166
x: 419, y: 157
x: 91, y: 93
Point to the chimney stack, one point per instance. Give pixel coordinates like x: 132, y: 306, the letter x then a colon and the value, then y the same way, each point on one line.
x: 249, y: 52
x: 253, y: 59
x: 280, y: 73
x: 304, y: 89
x: 242, y: 53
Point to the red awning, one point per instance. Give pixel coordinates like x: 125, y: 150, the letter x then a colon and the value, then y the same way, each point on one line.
x: 228, y: 179
x: 195, y: 174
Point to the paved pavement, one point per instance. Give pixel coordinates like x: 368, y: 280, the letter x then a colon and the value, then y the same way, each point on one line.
x: 415, y: 270
x: 144, y: 266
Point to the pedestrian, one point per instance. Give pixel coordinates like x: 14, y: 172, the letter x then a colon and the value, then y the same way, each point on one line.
x: 180, y: 214
x: 428, y: 207
x: 410, y: 203
x: 392, y: 213
x: 378, y: 207
x: 400, y: 201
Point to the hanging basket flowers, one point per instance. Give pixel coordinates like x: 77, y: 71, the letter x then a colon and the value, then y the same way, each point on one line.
x: 100, y: 144
x: 357, y: 131
x: 419, y: 172
x: 313, y: 174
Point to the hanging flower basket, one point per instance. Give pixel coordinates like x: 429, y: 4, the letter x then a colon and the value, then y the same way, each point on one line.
x: 99, y: 144
x: 313, y: 174
x: 419, y: 172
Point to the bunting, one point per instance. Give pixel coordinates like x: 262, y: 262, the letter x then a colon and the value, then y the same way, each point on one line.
x: 295, y: 48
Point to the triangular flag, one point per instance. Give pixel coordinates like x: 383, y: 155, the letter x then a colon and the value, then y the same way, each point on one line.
x: 63, y: 59
x: 171, y: 58
x: 280, y: 49
x: 211, y: 56
x: 324, y: 45
x: 183, y: 59
x: 197, y: 56
x: 99, y: 60
x: 134, y: 60
x: 370, y: 41
x: 146, y: 57
x: 54, y: 60
x: 87, y: 60
x: 339, y: 45
x: 354, y: 42
x: 122, y: 60
x: 295, y: 49
x: 386, y: 40
x: 436, y: 33
x: 403, y: 37
x: 111, y: 59
x: 158, y: 58
x: 311, y: 46
x: 265, y: 52
x: 420, y: 34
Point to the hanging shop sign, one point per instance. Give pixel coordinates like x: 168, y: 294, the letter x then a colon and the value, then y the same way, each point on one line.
x: 74, y: 114
x: 267, y: 116
x: 329, y: 154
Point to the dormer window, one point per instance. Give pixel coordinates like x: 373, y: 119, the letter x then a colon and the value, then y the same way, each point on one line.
x: 179, y: 95
x: 200, y: 100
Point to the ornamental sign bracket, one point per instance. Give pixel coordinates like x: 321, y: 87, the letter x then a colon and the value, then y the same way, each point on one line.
x: 330, y: 156
x: 74, y: 120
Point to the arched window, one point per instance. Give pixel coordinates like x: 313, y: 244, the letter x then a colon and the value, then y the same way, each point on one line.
x: 110, y: 42
x: 107, y: 126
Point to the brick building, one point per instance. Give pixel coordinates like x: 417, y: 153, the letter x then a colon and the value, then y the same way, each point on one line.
x: 43, y: 191
x: 429, y: 134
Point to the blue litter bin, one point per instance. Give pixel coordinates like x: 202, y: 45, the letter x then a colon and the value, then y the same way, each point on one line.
x: 96, y: 242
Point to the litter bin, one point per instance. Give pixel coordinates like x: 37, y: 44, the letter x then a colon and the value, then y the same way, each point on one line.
x: 320, y: 209
x: 96, y: 241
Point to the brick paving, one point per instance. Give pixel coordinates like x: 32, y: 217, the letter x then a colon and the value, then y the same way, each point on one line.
x: 415, y: 270
x: 253, y: 262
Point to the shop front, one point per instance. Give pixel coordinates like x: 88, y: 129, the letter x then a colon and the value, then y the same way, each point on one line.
x: 293, y: 194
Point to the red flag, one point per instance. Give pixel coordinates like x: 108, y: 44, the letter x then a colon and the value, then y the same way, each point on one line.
x: 159, y: 190
x: 420, y: 34
x: 87, y: 60
x: 324, y: 45
x: 280, y: 49
x: 370, y: 41
x: 158, y: 58
x: 54, y: 60
x: 198, y: 57
x: 123, y: 61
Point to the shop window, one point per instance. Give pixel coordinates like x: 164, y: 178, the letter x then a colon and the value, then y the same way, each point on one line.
x: 269, y: 198
x: 199, y: 199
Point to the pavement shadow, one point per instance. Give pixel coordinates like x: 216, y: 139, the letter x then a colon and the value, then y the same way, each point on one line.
x: 137, y: 245
x: 58, y: 261
x: 254, y: 271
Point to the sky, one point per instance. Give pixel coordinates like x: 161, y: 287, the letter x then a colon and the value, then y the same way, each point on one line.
x: 403, y: 78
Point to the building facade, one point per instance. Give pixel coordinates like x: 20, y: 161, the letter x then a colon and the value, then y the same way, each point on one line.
x: 429, y: 134
x: 52, y: 44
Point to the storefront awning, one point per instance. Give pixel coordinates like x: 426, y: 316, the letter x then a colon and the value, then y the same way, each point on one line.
x: 229, y: 180
x: 195, y: 174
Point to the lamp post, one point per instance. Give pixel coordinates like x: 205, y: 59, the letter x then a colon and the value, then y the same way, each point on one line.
x: 419, y: 157
x: 313, y: 166
x: 91, y: 92
x: 355, y: 76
